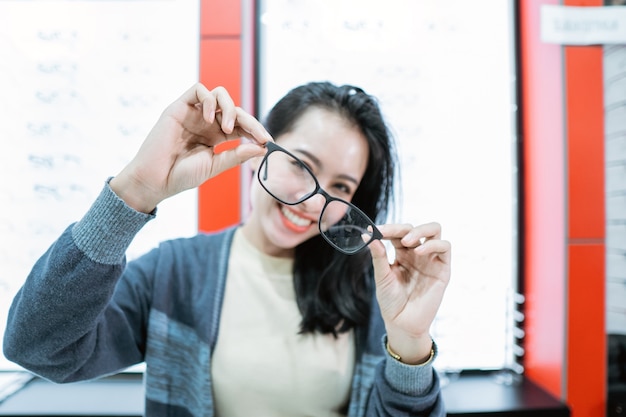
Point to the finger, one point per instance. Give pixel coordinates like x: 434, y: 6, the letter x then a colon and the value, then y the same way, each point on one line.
x: 432, y: 249
x: 442, y: 248
x: 233, y: 157
x: 379, y: 259
x: 422, y: 233
x: 195, y: 94
x: 226, y: 106
x: 251, y: 128
x: 199, y: 94
x: 395, y: 232
x: 405, y: 235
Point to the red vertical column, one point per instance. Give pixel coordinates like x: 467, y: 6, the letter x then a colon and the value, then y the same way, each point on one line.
x: 219, y: 199
x: 563, y: 137
x: 586, y: 334
x: 544, y: 197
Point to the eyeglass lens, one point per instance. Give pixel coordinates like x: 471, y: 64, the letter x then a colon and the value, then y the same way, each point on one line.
x: 288, y: 180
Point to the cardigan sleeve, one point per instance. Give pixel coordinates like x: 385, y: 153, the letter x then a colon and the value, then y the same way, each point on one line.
x: 61, y: 323
x: 386, y: 387
x: 409, y: 390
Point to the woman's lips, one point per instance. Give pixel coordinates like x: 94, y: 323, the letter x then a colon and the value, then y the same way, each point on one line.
x: 293, y: 221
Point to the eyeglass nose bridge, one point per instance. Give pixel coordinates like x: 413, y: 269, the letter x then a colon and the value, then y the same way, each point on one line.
x: 318, y: 190
x: 262, y: 176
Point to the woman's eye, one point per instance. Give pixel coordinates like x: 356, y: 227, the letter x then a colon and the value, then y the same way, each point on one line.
x: 343, y: 189
x: 299, y: 165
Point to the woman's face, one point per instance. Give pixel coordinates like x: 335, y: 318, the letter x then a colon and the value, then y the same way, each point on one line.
x: 336, y: 152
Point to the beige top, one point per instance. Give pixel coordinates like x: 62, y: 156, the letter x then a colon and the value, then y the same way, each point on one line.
x: 261, y: 366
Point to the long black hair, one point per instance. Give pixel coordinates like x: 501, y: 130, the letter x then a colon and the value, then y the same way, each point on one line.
x: 334, y: 291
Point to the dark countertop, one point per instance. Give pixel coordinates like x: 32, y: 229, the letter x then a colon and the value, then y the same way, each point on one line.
x: 471, y: 394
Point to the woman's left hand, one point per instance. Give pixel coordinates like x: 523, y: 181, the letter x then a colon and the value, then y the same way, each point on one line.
x: 410, y: 290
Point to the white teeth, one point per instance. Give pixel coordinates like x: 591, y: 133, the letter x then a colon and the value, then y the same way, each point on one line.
x: 297, y: 220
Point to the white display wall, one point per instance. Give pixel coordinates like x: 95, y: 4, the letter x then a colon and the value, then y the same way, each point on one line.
x: 81, y: 84
x: 444, y: 73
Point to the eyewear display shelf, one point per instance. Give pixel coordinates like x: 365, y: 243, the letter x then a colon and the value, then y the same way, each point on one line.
x: 469, y: 394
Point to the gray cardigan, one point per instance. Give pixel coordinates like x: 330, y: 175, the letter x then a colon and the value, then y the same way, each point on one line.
x: 83, y: 313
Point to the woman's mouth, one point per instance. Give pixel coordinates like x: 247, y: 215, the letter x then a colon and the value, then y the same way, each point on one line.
x: 294, y: 222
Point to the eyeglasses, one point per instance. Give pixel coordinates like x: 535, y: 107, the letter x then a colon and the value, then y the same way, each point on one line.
x: 290, y: 181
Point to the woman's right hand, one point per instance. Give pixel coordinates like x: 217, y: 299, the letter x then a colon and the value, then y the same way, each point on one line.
x: 178, y: 153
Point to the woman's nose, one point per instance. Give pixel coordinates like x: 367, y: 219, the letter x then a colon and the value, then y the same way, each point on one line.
x: 315, y: 203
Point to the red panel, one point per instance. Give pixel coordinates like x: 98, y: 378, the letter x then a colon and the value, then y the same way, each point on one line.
x: 544, y: 202
x: 219, y: 199
x: 220, y: 64
x: 585, y: 126
x: 220, y: 18
x: 586, y: 355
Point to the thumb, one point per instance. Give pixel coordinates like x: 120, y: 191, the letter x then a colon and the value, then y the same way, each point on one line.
x: 379, y: 259
x: 232, y: 157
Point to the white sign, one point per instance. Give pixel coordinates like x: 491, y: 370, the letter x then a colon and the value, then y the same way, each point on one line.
x: 569, y: 25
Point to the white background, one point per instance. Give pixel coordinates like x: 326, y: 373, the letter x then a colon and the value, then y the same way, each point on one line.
x: 444, y: 74
x: 81, y: 84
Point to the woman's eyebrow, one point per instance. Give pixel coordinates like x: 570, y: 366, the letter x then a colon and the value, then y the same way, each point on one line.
x: 318, y: 164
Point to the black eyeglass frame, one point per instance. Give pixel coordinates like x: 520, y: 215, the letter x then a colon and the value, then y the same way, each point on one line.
x: 376, y: 234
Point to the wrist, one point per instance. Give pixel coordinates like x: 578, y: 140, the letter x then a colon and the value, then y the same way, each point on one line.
x: 410, y: 351
x: 132, y: 194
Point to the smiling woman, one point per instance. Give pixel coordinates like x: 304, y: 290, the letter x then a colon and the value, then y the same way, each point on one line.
x: 312, y: 320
